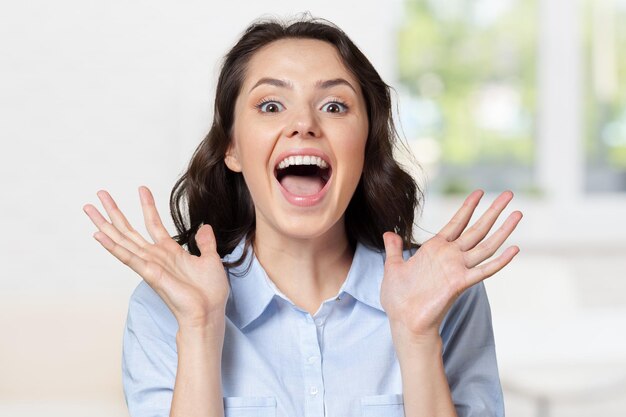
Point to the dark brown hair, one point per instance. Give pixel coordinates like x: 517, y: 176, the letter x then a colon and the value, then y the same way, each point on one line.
x: 208, y: 192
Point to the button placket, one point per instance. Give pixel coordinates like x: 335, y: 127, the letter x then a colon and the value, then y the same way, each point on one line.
x: 311, y: 368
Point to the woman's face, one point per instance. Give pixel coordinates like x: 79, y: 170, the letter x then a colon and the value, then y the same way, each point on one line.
x: 299, y: 136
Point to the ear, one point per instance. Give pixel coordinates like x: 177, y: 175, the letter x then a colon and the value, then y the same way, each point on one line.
x: 231, y: 161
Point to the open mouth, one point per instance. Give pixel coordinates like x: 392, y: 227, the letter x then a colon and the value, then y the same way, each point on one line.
x: 303, y: 176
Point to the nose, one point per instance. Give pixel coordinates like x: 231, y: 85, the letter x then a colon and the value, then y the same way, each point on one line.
x: 304, y: 123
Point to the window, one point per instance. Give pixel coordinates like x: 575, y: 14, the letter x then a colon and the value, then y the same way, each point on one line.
x: 605, y: 94
x: 467, y: 70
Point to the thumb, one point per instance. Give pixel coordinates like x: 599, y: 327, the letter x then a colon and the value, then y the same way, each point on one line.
x: 393, y: 247
x: 205, y: 239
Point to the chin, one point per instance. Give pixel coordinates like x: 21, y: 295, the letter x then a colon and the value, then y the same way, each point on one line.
x: 304, y: 227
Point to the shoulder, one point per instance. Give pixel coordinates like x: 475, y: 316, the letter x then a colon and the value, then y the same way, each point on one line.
x: 468, y: 320
x: 473, y: 298
x: 147, y: 312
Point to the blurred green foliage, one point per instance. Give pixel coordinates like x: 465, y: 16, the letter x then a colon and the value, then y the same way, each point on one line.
x: 604, y: 43
x: 467, y: 53
x: 470, y: 68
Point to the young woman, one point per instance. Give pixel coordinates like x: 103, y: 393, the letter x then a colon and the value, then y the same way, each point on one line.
x: 294, y: 287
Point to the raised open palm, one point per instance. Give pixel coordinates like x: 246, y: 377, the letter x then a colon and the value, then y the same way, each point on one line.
x: 417, y: 293
x: 195, y: 288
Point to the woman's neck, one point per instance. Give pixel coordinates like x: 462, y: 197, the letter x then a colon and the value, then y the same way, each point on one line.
x: 307, y: 271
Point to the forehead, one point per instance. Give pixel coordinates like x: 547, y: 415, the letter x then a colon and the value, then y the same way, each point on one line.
x: 297, y: 60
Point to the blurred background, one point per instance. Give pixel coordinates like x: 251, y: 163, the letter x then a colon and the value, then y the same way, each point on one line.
x: 527, y: 95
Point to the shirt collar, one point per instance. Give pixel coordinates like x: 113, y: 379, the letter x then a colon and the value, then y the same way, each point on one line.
x: 251, y: 290
x: 365, y: 276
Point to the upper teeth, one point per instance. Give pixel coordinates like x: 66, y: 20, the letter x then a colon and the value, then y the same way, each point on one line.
x: 302, y: 160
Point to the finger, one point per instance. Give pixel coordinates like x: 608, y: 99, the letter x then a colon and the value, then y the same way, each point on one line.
x: 487, y: 248
x: 110, y: 230
x: 151, y: 215
x: 393, y: 248
x: 479, y: 230
x: 461, y: 218
x: 486, y: 270
x: 128, y: 258
x: 118, y: 219
x: 205, y: 239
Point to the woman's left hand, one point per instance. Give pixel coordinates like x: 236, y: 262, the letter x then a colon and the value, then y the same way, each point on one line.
x: 416, y: 294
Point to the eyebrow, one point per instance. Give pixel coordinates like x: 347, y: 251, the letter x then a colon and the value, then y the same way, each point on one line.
x: 333, y: 83
x: 286, y: 84
x: 272, y: 81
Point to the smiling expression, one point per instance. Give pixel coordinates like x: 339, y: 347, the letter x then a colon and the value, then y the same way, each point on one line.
x: 298, y: 98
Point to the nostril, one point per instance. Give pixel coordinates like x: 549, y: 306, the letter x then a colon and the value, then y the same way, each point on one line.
x: 310, y: 133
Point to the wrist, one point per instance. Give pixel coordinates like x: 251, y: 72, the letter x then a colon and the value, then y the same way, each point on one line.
x: 407, y: 342
x: 200, y: 319
x: 209, y: 330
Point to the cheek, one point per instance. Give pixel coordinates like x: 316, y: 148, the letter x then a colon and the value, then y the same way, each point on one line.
x: 254, y: 147
x: 353, y: 146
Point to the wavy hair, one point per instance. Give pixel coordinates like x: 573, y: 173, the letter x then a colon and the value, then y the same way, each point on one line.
x: 386, y: 196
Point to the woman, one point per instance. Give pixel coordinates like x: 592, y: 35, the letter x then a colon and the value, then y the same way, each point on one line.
x: 294, y: 297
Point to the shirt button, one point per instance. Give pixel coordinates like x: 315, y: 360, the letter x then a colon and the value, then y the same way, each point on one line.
x: 313, y: 390
x: 319, y: 322
x: 312, y: 359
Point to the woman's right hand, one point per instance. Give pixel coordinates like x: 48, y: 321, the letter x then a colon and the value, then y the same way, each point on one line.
x: 195, y: 288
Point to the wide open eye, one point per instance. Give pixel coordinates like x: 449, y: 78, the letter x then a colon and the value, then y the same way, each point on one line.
x: 335, y: 107
x: 270, y: 107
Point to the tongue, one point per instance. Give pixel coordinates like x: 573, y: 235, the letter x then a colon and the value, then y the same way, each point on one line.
x: 302, y: 185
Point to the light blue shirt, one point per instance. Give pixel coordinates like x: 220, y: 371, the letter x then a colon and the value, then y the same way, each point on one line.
x: 280, y: 361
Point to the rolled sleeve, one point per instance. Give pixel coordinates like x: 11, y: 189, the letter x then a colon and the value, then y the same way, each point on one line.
x: 469, y: 356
